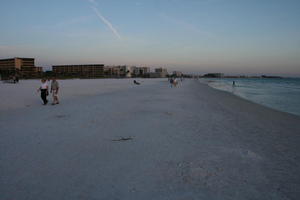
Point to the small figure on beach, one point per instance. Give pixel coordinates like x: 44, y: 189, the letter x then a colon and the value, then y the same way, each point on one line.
x: 135, y: 82
x: 171, y: 81
x: 175, y: 82
x: 233, y: 83
x: 54, y: 90
x: 14, y: 78
x: 44, y: 91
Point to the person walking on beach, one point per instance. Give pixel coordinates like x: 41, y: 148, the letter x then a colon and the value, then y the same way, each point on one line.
x: 175, y: 82
x: 171, y: 81
x: 44, y: 90
x: 54, y: 90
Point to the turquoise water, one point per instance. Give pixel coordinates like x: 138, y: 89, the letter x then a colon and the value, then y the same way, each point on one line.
x: 280, y: 94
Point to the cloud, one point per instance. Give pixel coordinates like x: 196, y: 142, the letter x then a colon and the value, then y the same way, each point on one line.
x: 103, y: 19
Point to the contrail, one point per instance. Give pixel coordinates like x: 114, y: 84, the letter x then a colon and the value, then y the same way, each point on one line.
x: 104, y: 20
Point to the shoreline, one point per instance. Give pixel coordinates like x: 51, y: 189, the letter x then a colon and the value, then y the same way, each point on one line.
x: 256, y: 106
x: 241, y: 95
x: 150, y: 142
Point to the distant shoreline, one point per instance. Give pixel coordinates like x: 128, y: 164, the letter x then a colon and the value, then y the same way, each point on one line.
x: 240, y: 90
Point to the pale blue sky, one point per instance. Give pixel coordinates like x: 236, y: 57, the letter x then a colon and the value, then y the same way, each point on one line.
x: 229, y: 36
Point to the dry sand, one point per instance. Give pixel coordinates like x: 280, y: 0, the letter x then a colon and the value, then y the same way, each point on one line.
x: 110, y: 139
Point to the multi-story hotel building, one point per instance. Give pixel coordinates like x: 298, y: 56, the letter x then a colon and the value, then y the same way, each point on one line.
x: 79, y: 71
x: 23, y: 67
x: 117, y: 71
x: 161, y: 72
x: 140, y: 71
x: 177, y: 73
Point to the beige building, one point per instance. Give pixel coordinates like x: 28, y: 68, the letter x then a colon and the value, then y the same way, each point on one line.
x: 117, y: 71
x: 139, y: 71
x: 23, y: 67
x: 79, y: 71
x: 161, y: 72
x: 177, y: 73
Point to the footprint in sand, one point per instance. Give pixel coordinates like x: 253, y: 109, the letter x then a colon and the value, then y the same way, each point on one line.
x: 168, y: 113
x: 60, y: 116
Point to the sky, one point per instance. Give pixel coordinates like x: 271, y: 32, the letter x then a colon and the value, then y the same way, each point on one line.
x: 194, y: 36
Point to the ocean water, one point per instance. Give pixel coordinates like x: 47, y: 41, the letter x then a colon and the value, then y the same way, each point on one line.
x: 280, y: 94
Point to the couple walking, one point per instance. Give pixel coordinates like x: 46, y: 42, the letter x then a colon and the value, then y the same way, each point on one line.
x: 44, y: 89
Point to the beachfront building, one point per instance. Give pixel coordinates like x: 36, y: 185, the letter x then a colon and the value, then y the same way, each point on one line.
x: 125, y: 71
x: 161, y: 72
x: 31, y: 72
x: 154, y: 75
x: 117, y: 71
x: 79, y: 71
x: 134, y: 71
x: 107, y: 71
x: 22, y: 67
x: 158, y: 73
x: 177, y: 73
x: 140, y: 71
x: 214, y: 75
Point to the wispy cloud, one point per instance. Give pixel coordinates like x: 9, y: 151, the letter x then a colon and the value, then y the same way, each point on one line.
x: 94, y: 5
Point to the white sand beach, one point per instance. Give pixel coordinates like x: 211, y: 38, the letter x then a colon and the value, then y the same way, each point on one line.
x: 111, y: 139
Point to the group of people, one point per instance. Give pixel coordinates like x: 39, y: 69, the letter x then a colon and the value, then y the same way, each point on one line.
x: 44, y: 89
x: 15, y: 79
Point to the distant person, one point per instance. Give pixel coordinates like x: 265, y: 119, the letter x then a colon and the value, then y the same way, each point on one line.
x: 17, y: 78
x: 135, y: 82
x: 233, y: 83
x: 44, y: 90
x: 171, y: 81
x: 54, y: 90
x: 175, y: 82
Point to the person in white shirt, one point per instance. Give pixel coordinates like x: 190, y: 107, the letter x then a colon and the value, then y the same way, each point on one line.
x: 44, y: 91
